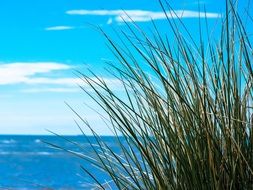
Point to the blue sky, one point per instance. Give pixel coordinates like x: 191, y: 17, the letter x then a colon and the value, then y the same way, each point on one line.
x: 43, y: 41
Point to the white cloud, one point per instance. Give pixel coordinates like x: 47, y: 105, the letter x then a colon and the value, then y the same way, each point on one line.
x: 142, y: 15
x: 69, y: 81
x: 39, y: 90
x: 70, y: 84
x: 13, y: 73
x: 59, y: 28
x: 53, y: 81
x: 30, y: 74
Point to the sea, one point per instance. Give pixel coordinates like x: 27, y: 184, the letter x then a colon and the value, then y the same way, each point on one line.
x: 28, y: 163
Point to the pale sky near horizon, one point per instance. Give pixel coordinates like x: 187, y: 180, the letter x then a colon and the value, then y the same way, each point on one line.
x: 44, y: 41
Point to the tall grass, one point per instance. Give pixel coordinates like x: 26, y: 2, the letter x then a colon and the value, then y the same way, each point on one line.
x: 185, y: 120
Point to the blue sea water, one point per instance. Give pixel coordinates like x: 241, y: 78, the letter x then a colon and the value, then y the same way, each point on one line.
x: 26, y: 162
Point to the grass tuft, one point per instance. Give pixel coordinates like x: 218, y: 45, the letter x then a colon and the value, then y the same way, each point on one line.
x: 185, y: 120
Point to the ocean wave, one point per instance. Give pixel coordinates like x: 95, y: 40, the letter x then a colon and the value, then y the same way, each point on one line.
x: 37, y: 141
x: 8, y: 141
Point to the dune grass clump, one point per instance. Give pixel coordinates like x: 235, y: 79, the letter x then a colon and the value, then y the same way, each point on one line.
x: 185, y: 120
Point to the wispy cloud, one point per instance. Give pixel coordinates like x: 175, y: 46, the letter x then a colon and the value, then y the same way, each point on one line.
x: 68, y: 84
x: 13, y: 73
x: 59, y: 28
x: 41, y: 90
x: 142, y: 15
x: 31, y: 74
